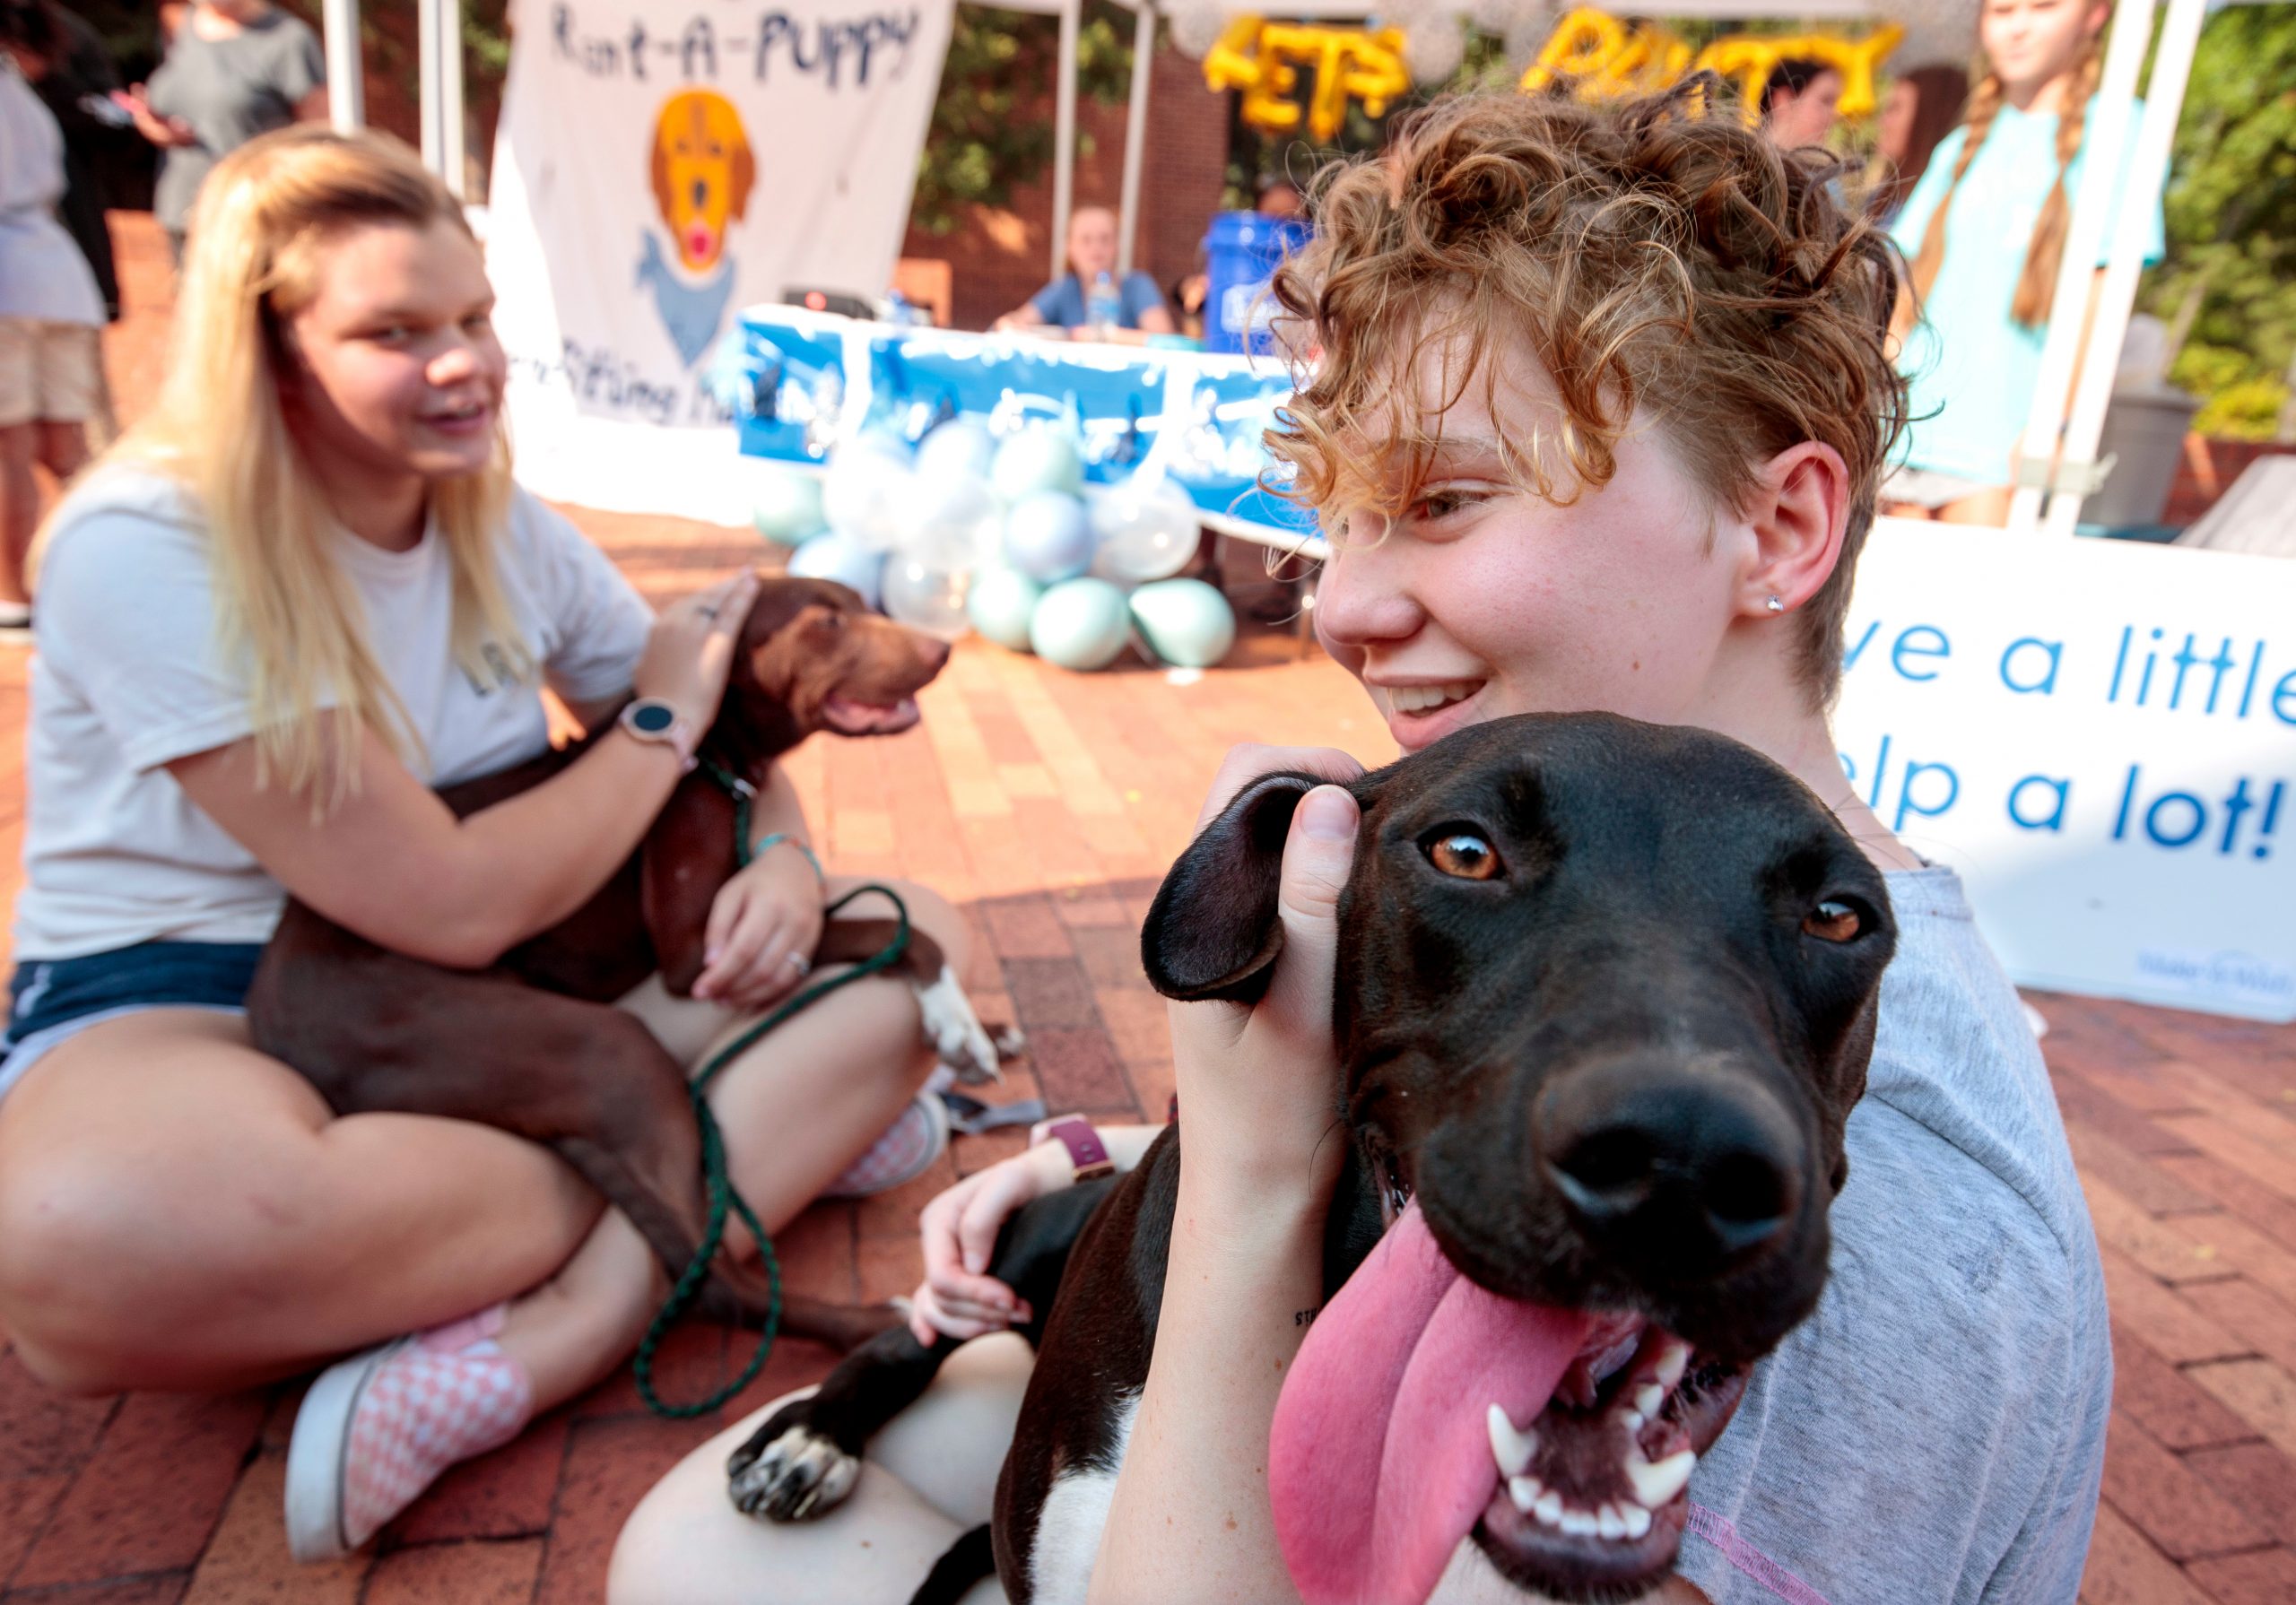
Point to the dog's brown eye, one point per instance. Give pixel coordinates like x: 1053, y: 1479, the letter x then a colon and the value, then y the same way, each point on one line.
x: 1833, y: 922
x: 1463, y: 856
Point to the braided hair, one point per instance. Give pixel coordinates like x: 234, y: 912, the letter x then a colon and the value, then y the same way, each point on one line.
x: 2044, y: 252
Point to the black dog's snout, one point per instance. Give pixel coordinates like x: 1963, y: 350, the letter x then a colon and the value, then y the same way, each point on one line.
x: 1681, y: 1171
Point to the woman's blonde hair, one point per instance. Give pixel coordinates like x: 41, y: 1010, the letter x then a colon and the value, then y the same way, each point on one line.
x: 284, y: 606
x: 1660, y: 258
x: 2045, y: 251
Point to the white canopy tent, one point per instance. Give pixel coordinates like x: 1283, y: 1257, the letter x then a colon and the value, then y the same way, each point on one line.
x: 2064, y: 425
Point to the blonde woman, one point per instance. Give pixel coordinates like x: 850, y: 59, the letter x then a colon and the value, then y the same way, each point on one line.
x: 301, y: 593
x: 1985, y: 231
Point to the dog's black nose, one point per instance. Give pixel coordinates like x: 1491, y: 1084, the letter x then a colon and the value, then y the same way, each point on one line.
x: 1681, y: 1171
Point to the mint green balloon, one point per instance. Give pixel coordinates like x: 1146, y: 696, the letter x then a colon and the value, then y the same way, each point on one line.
x: 1041, y: 457
x: 1080, y: 624
x: 789, y: 506
x: 1001, y: 604
x: 1185, y: 621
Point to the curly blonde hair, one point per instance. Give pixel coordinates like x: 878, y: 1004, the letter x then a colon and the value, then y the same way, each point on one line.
x: 1660, y: 257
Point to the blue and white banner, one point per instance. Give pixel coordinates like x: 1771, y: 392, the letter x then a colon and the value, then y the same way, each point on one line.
x: 2101, y: 736
x: 662, y: 164
x: 798, y: 382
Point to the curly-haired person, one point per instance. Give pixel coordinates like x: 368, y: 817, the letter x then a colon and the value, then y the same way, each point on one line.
x: 1600, y: 401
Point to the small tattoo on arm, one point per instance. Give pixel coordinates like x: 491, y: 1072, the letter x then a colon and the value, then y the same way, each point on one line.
x: 1306, y: 1317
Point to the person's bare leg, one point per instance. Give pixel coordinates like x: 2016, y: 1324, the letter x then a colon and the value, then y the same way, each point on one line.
x: 62, y: 448
x: 19, y: 506
x: 178, y: 1211
x: 796, y: 1108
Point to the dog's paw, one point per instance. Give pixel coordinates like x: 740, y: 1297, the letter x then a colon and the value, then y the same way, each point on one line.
x: 955, y: 1032
x: 797, y: 1476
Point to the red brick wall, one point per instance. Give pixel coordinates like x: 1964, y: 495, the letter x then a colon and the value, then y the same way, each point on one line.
x: 2207, y: 472
x: 1000, y: 255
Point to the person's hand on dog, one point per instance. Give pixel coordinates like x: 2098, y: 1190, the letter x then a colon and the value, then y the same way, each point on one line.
x: 958, y: 1297
x: 1259, y: 1085
x: 689, y: 652
x: 764, y: 927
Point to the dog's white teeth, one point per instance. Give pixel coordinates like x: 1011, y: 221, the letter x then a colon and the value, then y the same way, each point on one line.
x: 1511, y: 1447
x: 1655, y: 1485
x: 1579, y: 1524
x: 1548, y: 1509
x: 1610, y: 1523
x: 1525, y: 1492
x: 1635, y: 1518
x: 1672, y: 1361
x: 1648, y: 1398
x: 1633, y: 1420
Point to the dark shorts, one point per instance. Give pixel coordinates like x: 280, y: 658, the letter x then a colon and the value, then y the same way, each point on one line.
x: 45, y: 994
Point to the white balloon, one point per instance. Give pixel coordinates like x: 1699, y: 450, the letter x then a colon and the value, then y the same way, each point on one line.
x: 863, y: 494
x: 949, y: 520
x: 961, y: 447
x: 1196, y: 28
x: 1043, y: 458
x: 1434, y: 48
x: 1145, y: 536
x: 932, y: 600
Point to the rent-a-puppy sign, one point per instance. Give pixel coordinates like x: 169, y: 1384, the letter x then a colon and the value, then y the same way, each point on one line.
x: 2101, y: 737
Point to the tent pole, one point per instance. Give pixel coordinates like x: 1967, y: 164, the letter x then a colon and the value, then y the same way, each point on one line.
x: 2147, y: 173
x: 1135, y: 132
x: 346, y: 87
x: 2100, y: 167
x: 1064, y: 136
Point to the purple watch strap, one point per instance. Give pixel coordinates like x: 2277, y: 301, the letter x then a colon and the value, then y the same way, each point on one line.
x: 1086, y: 1152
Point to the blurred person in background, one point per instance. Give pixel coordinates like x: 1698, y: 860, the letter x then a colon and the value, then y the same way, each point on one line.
x: 234, y: 69
x: 1922, y: 107
x: 51, y: 357
x: 1801, y: 101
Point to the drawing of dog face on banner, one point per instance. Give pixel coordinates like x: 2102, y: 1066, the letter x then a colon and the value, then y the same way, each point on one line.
x: 702, y: 171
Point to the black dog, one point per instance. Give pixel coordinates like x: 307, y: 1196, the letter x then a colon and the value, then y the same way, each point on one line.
x: 1605, y: 996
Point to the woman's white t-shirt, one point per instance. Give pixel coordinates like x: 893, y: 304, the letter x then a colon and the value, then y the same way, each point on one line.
x: 129, y: 675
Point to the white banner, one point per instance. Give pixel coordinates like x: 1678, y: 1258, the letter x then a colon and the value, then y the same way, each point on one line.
x: 2101, y: 736
x: 662, y: 164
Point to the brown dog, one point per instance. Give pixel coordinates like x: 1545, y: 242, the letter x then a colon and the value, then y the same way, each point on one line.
x: 534, y: 1043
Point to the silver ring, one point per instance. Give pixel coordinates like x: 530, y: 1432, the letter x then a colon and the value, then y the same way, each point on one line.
x: 707, y: 612
x: 804, y: 965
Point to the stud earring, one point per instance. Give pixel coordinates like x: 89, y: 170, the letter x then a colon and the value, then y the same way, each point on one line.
x: 1774, y: 606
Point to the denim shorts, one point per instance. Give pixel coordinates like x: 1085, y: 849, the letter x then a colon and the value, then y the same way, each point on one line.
x: 52, y: 1000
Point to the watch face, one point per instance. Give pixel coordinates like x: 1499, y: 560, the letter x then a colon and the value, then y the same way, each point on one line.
x: 653, y: 718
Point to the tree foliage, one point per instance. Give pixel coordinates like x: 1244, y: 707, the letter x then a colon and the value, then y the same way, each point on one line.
x: 992, y: 127
x: 2231, y: 267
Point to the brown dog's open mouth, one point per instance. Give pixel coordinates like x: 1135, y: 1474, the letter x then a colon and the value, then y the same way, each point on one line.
x: 1592, y: 1497
x: 849, y: 716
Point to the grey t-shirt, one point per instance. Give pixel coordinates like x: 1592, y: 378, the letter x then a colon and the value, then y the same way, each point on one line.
x: 1934, y: 1432
x: 228, y: 91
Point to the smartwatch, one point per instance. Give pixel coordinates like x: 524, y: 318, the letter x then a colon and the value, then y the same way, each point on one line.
x: 651, y: 719
x: 1087, y: 1154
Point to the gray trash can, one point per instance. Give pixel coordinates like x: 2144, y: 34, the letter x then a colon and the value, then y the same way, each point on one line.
x: 2144, y: 431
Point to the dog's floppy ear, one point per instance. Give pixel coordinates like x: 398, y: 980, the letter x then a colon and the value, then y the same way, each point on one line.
x: 660, y: 174
x: 1214, y: 930
x: 743, y: 175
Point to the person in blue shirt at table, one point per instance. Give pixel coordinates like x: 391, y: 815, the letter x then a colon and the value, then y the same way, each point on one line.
x: 1985, y: 231
x: 1067, y: 303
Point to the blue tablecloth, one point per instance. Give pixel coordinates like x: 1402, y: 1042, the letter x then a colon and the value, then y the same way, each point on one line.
x: 798, y: 382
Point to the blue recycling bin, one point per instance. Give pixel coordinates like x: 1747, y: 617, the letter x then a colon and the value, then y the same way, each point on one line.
x: 1242, y: 251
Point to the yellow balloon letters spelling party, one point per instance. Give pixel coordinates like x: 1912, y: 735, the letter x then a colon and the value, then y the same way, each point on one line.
x: 1600, y: 57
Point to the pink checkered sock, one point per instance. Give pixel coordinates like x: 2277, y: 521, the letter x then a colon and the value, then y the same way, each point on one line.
x: 906, y: 1150
x: 443, y: 1396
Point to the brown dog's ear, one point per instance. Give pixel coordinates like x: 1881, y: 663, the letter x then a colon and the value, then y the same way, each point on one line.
x: 744, y: 175
x: 1214, y: 930
x: 660, y: 174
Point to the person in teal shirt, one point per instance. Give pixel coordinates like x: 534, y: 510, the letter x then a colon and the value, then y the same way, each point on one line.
x: 1985, y: 231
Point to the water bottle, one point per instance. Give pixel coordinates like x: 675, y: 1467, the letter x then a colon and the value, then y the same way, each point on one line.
x: 1103, y: 308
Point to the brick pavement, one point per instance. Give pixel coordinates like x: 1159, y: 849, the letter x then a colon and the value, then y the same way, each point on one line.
x: 1047, y: 804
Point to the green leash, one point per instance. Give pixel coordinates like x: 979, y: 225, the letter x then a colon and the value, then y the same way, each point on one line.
x: 717, y: 1186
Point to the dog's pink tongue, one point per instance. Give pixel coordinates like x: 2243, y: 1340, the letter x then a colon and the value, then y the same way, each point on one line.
x: 1379, y: 1459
